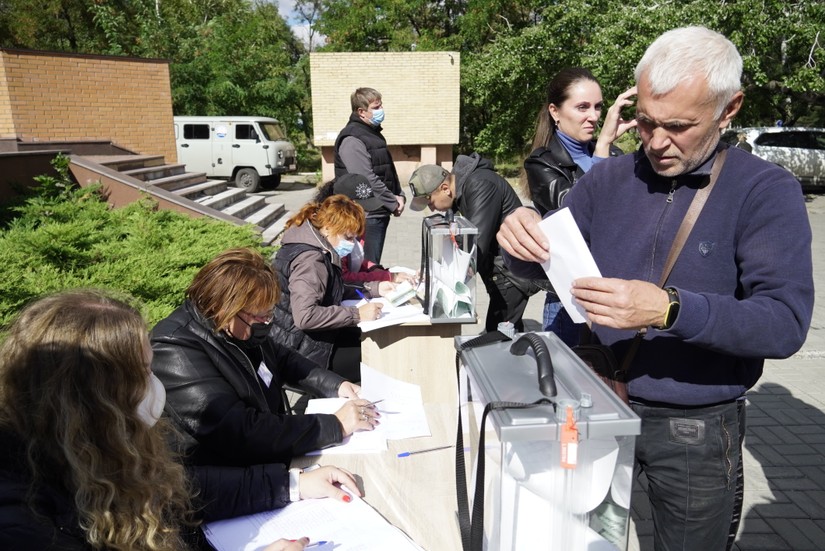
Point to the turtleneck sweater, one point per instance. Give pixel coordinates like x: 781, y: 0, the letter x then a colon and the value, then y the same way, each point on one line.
x: 580, y: 152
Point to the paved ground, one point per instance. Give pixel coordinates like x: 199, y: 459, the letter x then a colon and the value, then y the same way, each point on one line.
x: 785, y: 446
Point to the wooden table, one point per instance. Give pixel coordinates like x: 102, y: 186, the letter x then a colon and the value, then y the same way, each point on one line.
x: 415, y: 493
x: 421, y: 352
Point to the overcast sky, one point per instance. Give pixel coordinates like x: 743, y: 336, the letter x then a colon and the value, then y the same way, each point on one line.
x: 299, y: 29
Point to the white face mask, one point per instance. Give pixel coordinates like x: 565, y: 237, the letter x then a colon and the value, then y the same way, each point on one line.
x: 151, y: 407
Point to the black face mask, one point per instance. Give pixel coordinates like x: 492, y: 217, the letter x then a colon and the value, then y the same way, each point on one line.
x: 259, y: 333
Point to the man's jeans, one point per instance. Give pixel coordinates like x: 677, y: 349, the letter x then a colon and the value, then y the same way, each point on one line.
x: 692, y: 459
x: 374, y: 236
x: 557, y: 320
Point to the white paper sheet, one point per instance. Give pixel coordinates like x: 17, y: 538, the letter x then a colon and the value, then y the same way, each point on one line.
x: 359, y: 442
x: 401, y: 408
x: 353, y: 526
x: 569, y: 260
x: 390, y: 315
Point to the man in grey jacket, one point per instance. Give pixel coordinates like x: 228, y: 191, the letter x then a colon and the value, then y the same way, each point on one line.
x: 481, y: 195
x: 361, y: 149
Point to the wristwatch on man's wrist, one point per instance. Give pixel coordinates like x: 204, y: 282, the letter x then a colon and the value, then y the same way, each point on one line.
x: 672, y: 309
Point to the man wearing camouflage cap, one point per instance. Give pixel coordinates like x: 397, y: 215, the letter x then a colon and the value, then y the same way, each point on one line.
x: 480, y: 194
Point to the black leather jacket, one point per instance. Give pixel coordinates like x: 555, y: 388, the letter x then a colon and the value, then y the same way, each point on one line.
x: 485, y: 199
x: 551, y: 173
x: 225, y: 412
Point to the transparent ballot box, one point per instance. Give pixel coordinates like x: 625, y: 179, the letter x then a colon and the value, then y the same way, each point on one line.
x: 558, y: 475
x: 448, y: 267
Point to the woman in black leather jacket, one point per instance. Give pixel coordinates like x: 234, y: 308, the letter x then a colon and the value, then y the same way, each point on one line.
x: 564, y: 149
x: 224, y: 374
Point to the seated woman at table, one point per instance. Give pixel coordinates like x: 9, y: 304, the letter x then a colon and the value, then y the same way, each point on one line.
x: 356, y: 268
x: 224, y: 374
x: 310, y: 316
x: 85, y: 461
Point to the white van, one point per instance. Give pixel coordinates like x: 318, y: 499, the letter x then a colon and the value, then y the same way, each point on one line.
x: 248, y: 150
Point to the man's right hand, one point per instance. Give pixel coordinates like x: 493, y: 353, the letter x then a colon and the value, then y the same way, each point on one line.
x: 521, y: 236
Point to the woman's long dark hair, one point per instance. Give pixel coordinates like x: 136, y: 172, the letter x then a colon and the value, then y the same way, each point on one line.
x: 558, y: 90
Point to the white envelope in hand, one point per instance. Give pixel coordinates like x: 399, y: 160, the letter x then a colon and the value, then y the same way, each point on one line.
x: 569, y: 260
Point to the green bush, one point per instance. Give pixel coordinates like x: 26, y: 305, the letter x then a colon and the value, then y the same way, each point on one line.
x: 67, y: 237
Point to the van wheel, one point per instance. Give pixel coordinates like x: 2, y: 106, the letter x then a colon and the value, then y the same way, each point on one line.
x: 248, y: 179
x: 271, y: 182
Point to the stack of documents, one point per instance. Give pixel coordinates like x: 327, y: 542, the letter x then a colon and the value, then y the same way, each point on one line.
x: 402, y: 293
x: 390, y: 315
x: 349, y: 526
x: 401, y: 409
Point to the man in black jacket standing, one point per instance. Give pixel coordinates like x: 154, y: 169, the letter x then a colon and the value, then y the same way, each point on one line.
x: 361, y: 149
x: 483, y: 197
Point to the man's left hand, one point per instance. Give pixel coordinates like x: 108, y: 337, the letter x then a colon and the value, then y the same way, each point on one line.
x: 621, y: 303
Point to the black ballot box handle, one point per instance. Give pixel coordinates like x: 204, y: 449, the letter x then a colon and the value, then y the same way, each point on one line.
x: 547, y: 378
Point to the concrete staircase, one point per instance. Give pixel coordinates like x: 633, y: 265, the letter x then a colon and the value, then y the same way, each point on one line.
x: 188, y: 192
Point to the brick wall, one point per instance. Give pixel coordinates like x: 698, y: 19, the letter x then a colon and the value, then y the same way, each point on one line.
x: 55, y: 96
x: 420, y: 92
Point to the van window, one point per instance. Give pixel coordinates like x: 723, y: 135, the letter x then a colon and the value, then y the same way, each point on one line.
x: 245, y: 132
x: 272, y: 131
x: 195, y: 131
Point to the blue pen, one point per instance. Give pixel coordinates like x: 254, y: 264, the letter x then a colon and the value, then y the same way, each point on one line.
x: 407, y: 454
x: 320, y: 545
x: 360, y: 294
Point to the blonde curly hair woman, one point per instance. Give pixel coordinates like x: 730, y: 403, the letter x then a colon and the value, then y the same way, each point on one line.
x: 78, y: 405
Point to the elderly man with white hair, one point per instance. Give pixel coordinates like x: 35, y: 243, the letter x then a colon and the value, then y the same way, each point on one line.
x: 740, y: 291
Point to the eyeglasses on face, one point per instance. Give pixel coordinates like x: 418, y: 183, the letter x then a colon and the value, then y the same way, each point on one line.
x: 264, y: 317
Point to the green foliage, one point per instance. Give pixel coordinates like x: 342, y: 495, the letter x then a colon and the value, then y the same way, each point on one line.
x: 239, y: 57
x: 66, y: 237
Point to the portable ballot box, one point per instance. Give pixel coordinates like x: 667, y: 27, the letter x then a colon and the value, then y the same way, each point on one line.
x: 448, y: 264
x: 556, y: 478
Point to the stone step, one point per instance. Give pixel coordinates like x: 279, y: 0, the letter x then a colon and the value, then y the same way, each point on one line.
x: 244, y: 207
x: 265, y: 216
x: 271, y: 233
x: 224, y: 198
x: 155, y: 172
x: 122, y: 163
x: 171, y: 183
x: 204, y: 189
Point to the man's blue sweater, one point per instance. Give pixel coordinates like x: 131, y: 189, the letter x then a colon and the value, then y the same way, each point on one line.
x: 744, y: 275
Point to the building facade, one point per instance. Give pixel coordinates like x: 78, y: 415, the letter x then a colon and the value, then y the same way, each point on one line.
x: 420, y: 92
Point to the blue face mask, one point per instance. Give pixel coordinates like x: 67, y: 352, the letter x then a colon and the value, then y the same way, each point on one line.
x: 377, y: 116
x: 344, y: 247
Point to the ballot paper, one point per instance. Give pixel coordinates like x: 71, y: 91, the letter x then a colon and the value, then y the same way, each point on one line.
x: 370, y: 441
x: 402, y: 293
x: 401, y: 408
x: 352, y: 526
x: 452, y: 302
x: 569, y: 260
x: 390, y: 315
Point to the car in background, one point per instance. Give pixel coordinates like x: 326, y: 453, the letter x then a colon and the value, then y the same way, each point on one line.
x: 797, y: 149
x: 249, y: 150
